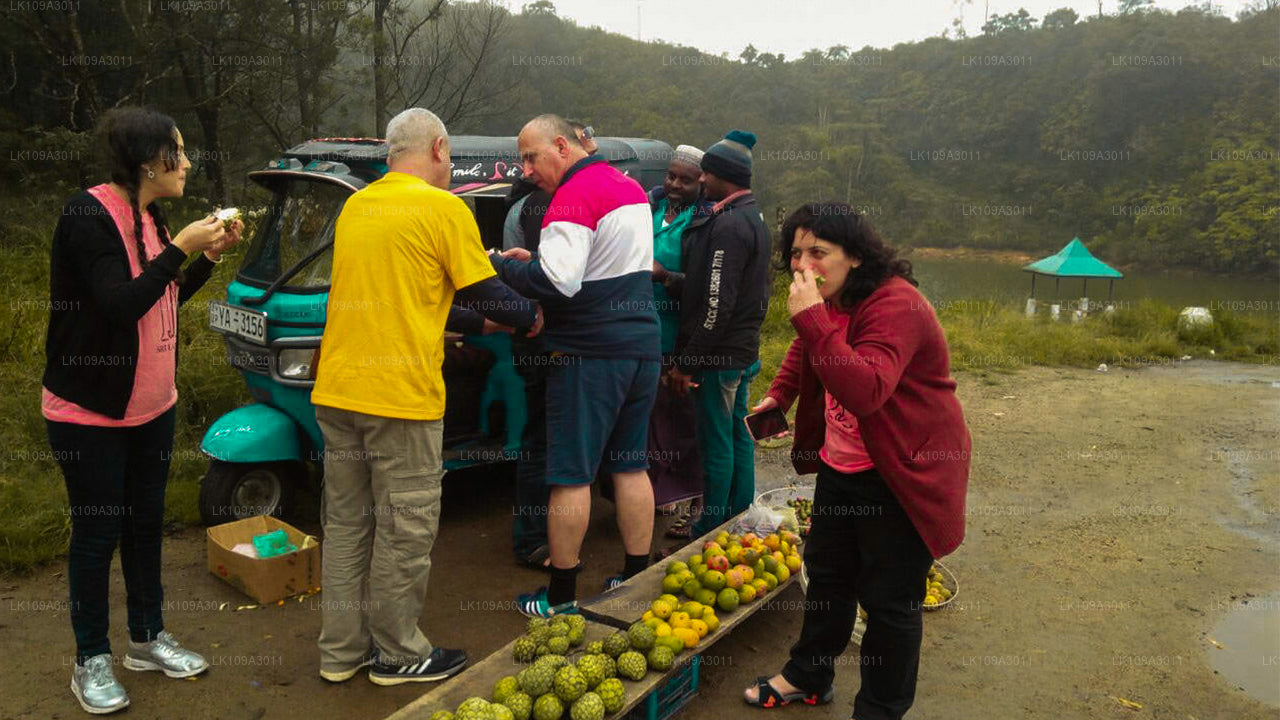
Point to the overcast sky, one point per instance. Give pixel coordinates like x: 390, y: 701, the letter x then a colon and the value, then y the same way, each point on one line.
x: 793, y: 26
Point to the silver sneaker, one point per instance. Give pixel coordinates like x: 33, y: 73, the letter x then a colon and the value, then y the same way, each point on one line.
x: 95, y: 686
x: 164, y: 653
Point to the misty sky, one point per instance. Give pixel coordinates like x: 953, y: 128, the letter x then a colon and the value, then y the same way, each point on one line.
x: 794, y: 26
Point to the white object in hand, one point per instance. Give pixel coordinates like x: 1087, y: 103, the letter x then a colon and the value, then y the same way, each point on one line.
x: 227, y: 216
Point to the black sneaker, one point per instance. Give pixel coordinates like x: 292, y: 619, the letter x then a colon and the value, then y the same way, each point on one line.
x: 442, y: 663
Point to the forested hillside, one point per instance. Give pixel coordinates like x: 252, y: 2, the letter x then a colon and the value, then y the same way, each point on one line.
x: 1152, y: 135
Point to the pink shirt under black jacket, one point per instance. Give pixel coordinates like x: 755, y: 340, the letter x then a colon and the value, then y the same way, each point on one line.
x: 892, y: 372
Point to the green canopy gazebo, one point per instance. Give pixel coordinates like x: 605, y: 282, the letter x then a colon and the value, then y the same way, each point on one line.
x: 1073, y: 260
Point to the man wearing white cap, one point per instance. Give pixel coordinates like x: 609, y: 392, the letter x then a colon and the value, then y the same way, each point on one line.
x: 674, y: 467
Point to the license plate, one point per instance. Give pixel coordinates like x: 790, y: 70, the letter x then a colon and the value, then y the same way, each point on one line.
x: 248, y: 324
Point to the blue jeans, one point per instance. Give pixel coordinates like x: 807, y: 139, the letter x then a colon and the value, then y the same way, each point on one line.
x: 724, y: 445
x: 115, y: 484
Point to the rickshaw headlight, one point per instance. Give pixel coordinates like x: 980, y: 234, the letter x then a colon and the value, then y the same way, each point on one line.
x: 296, y: 363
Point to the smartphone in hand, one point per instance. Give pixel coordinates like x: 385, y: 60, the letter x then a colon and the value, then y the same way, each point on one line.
x: 767, y: 423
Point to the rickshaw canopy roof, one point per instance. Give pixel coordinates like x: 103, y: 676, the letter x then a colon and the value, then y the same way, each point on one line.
x: 483, y: 165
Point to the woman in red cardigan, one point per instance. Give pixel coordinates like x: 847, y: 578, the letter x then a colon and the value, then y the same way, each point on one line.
x: 879, y: 421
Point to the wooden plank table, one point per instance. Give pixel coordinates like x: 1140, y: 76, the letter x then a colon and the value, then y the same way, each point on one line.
x: 623, y: 606
x: 628, y: 602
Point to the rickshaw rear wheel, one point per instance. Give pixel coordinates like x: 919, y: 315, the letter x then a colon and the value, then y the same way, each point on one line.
x: 234, y: 491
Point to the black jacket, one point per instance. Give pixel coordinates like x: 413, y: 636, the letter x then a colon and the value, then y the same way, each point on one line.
x: 724, y: 289
x: 91, y: 350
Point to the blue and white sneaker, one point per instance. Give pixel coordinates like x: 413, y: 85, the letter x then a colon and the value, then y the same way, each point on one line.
x: 535, y: 604
x: 614, y: 582
x: 442, y: 663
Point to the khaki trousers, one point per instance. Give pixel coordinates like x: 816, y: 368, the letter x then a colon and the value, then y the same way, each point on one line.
x: 380, y: 512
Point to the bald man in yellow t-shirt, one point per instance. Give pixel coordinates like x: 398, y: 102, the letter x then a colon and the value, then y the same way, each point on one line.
x: 404, y: 248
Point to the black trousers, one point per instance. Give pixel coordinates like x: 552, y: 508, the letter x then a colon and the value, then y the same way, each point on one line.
x: 115, y: 483
x: 529, y: 530
x: 862, y: 548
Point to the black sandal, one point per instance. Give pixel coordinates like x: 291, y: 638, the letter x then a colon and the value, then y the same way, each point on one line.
x: 682, y: 527
x: 767, y: 696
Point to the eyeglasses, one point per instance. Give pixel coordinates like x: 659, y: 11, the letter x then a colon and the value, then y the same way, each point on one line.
x: 588, y: 132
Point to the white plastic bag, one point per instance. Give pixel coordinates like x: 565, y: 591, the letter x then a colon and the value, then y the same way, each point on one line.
x: 762, y: 520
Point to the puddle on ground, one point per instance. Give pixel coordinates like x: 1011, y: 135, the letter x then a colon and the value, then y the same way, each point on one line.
x: 1249, y: 656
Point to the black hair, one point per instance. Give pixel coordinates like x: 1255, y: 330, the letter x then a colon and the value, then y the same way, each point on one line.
x: 842, y: 225
x: 133, y: 136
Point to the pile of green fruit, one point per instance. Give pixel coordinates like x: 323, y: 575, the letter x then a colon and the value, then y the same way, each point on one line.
x: 549, y: 689
x: 804, y: 511
x: 549, y: 637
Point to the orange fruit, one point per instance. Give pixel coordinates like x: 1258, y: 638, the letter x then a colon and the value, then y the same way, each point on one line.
x: 688, y: 635
x: 661, y: 609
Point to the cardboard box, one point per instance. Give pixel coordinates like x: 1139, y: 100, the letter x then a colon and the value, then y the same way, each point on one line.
x: 265, y: 580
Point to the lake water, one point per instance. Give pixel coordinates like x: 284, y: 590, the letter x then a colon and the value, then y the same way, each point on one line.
x: 965, y: 278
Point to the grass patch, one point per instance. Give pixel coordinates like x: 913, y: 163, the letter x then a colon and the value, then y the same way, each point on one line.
x: 985, y: 336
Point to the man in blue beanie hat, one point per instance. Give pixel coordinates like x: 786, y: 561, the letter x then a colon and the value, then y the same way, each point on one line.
x: 723, y: 293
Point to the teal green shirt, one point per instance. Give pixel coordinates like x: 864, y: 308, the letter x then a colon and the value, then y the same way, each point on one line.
x: 666, y: 251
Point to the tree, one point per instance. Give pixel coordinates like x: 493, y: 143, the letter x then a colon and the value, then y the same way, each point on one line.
x: 1020, y: 21
x: 1060, y: 18
x: 541, y: 7
x: 769, y: 60
x: 448, y: 62
x: 407, y: 23
x: 1256, y: 7
x: 838, y: 52
x: 749, y: 54
x: 813, y: 56
x: 1127, y: 7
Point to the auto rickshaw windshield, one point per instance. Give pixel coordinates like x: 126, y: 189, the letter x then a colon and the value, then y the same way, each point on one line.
x: 298, y: 223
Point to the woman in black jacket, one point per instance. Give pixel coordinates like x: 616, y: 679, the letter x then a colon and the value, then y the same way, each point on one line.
x: 116, y: 281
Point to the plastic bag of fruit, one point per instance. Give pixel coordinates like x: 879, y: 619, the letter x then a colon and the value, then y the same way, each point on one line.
x: 762, y: 519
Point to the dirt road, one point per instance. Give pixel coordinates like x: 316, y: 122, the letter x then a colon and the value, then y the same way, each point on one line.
x: 1115, y: 519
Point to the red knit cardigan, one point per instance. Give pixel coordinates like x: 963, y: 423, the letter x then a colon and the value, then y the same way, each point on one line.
x: 892, y: 372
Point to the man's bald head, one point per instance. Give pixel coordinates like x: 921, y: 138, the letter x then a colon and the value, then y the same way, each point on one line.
x: 550, y: 126
x: 548, y: 148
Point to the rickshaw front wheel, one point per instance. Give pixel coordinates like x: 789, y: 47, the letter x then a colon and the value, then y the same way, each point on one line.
x: 234, y: 491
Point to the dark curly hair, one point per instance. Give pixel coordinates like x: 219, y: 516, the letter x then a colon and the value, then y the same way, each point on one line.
x: 843, y: 225
x: 132, y: 136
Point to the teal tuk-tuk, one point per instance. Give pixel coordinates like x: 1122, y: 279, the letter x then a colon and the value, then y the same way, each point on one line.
x: 262, y: 453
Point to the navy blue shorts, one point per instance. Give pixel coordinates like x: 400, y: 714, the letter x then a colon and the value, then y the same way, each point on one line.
x: 598, y: 416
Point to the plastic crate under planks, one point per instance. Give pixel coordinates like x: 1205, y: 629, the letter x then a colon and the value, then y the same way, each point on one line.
x: 671, y: 696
